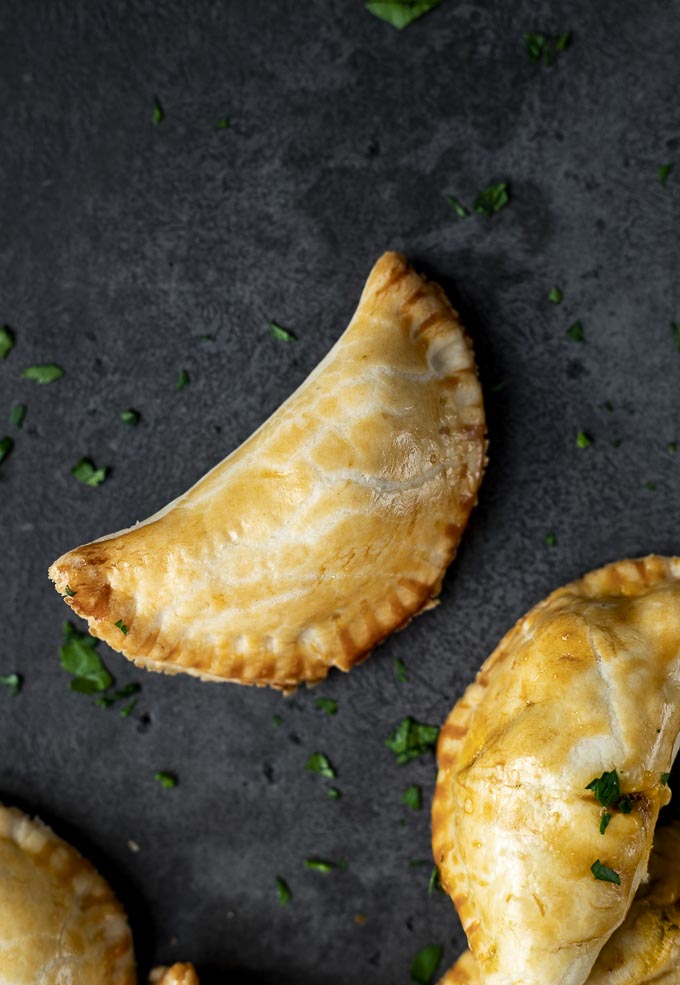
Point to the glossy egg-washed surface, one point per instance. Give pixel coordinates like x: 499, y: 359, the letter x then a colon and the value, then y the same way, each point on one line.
x: 586, y: 683
x: 124, y: 243
x: 329, y: 528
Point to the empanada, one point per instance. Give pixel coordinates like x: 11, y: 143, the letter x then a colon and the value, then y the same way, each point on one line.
x: 586, y: 687
x: 327, y: 529
x: 645, y: 950
x: 178, y: 974
x: 60, y: 923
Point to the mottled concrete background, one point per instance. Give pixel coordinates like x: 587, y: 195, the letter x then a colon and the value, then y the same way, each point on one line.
x: 123, y: 243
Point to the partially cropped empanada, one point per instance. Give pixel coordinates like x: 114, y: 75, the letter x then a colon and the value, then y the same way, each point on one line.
x: 588, y: 683
x: 327, y: 529
x: 645, y: 950
x: 60, y: 923
x: 178, y: 974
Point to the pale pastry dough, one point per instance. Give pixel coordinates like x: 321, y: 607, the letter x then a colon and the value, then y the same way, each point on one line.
x: 179, y: 974
x: 327, y: 529
x: 60, y: 923
x: 587, y: 682
x: 645, y: 950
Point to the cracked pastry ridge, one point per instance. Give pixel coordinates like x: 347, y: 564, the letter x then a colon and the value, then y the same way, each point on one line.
x: 329, y: 528
x: 587, y: 683
x: 645, y: 949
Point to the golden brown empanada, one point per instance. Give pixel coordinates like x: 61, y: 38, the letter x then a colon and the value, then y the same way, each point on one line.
x: 646, y: 947
x: 586, y: 684
x: 179, y: 974
x: 328, y: 529
x: 60, y: 923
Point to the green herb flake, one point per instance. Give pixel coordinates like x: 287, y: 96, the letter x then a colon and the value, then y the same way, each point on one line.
x: 498, y: 387
x: 650, y: 486
x: 583, y: 440
x: 424, y: 965
x: 323, y: 865
x: 6, y: 445
x: 318, y: 763
x: 412, y: 739
x: 563, y: 42
x: 604, y: 873
x: 328, y: 705
x: 334, y: 793
x: 13, y: 683
x: 492, y: 199
x: 537, y: 45
x: 458, y: 207
x: 675, y: 328
x: 69, y: 591
x: 606, y: 788
x: 625, y: 805
x: 43, y: 374
x: 413, y: 797
x: 106, y: 700
x: 672, y: 447
x: 663, y: 171
x: 79, y: 658
x: 86, y: 472
x: 400, y: 13
x: 6, y: 341
x: 551, y: 540
x: 122, y: 627
x: 575, y: 331
x: 182, y: 380
x: 223, y: 123
x: 282, y: 334
x: 130, y: 417
x: 604, y: 822
x: 665, y: 777
x: 17, y: 414
x: 400, y: 670
x: 608, y: 406
x: 434, y: 885
x: 158, y: 114
x: 555, y: 295
x: 283, y: 893
x: 277, y: 721
x: 124, y: 712
x: 165, y: 779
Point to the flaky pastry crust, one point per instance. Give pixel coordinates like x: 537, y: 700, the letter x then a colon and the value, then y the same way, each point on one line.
x: 587, y: 682
x: 178, y: 974
x: 645, y: 949
x: 60, y: 923
x: 325, y: 531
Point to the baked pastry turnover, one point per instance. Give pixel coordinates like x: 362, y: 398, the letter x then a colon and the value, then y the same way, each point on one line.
x: 327, y: 529
x: 646, y: 947
x: 551, y: 773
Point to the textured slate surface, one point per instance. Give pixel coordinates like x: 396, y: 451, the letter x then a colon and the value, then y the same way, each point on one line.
x: 124, y: 242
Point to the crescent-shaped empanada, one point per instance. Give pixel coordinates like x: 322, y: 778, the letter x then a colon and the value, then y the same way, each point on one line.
x: 588, y: 683
x: 645, y: 950
x: 60, y: 923
x: 327, y: 529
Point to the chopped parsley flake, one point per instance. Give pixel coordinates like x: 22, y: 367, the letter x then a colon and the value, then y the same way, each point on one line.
x: 458, y: 207
x: 43, y: 374
x: 400, y: 670
x: 544, y: 47
x: 277, y: 721
x: 604, y: 822
x: 665, y: 777
x: 323, y: 865
x: 130, y: 416
x: 434, y: 884
x: 106, y: 700
x: 223, y: 123
x: 400, y: 13
x: 86, y: 472
x: 412, y: 739
x: 551, y: 540
x: 182, y: 380
x: 606, y: 788
x: 318, y: 763
x: 413, y: 797
x: 282, y: 334
x: 424, y: 965
x: 334, y: 793
x: 124, y: 712
x: 555, y: 295
x: 79, y: 658
x: 69, y: 591
x: 604, y: 873
x: 583, y: 440
x: 675, y: 327
x: 6, y: 445
x: 283, y: 893
x: 663, y: 172
x: 6, y: 341
x: 158, y: 114
x: 165, y: 779
x: 17, y: 414
x: 608, y: 406
x: 651, y: 486
x: 575, y: 331
x: 12, y: 682
x: 122, y: 627
x: 672, y: 447
x: 492, y: 199
x: 326, y: 704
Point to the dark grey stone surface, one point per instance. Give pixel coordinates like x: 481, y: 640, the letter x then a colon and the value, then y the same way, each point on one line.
x: 124, y: 242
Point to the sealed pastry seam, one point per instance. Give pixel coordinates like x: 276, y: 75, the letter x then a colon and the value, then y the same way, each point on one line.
x: 328, y: 529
